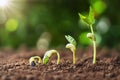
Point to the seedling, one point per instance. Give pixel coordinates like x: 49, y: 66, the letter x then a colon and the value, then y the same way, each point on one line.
x: 35, y: 60
x: 72, y: 46
x: 50, y: 53
x: 89, y: 20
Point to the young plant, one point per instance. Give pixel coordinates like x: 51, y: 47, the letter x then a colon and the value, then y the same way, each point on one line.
x: 50, y: 53
x: 72, y: 46
x: 35, y: 60
x: 89, y: 20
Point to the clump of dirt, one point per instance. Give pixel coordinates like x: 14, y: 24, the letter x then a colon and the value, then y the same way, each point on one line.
x: 16, y: 67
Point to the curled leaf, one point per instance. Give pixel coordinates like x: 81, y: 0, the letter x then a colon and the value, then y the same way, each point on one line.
x: 71, y: 40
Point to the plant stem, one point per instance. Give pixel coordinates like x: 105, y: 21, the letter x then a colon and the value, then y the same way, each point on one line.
x: 74, y: 57
x: 58, y: 58
x: 94, y: 45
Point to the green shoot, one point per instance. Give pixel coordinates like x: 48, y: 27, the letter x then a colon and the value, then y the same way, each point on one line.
x: 35, y: 60
x: 89, y: 20
x: 72, y: 46
x: 50, y: 53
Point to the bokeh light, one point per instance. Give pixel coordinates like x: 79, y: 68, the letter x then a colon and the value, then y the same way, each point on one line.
x: 11, y: 25
x: 103, y: 25
x: 99, y: 7
x: 86, y: 41
x: 83, y: 39
x: 44, y: 41
x: 98, y: 38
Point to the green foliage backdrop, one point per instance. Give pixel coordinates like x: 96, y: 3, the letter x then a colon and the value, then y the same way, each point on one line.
x: 26, y: 23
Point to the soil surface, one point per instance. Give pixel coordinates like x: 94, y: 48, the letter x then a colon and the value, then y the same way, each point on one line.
x: 14, y: 65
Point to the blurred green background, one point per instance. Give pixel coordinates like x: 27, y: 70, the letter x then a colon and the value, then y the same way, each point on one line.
x: 43, y: 23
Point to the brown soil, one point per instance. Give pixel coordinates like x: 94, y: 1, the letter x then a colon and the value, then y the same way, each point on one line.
x: 15, y: 66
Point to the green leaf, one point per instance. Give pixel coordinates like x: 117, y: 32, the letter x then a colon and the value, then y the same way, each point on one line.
x: 84, y: 18
x: 88, y: 19
x: 71, y: 40
x: 91, y: 16
x: 45, y: 60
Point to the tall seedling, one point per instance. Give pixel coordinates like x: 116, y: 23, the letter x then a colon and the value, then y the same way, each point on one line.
x: 89, y: 20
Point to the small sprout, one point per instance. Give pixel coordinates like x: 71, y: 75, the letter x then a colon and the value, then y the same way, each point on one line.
x: 50, y: 53
x: 35, y: 60
x: 72, y: 46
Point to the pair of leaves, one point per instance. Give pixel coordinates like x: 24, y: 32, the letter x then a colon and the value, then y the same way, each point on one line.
x: 88, y: 19
x: 71, y: 40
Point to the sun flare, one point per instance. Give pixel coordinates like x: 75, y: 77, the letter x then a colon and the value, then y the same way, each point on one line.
x: 4, y: 3
x: 11, y: 8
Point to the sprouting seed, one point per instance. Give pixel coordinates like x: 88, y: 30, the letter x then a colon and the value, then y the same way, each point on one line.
x: 35, y: 60
x: 72, y: 46
x: 50, y: 53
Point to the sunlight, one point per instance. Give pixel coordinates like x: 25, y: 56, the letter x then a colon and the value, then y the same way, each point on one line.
x: 11, y: 8
x: 4, y: 3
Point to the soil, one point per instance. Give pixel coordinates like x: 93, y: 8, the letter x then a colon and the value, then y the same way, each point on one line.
x: 14, y: 65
